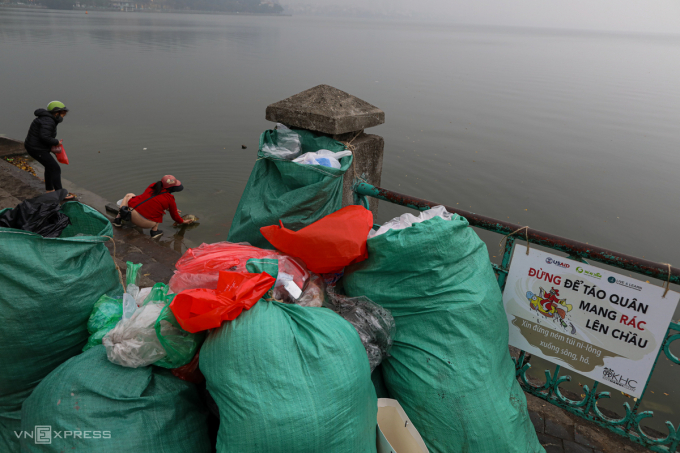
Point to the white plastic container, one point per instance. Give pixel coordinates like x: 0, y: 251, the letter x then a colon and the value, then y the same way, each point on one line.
x: 396, y: 433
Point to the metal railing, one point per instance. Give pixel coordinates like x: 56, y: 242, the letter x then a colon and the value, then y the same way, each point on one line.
x: 629, y: 425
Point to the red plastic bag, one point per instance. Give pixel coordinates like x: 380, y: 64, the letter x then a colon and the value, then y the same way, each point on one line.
x: 60, y: 154
x: 203, y: 309
x: 190, y: 372
x: 199, y: 267
x: 330, y: 243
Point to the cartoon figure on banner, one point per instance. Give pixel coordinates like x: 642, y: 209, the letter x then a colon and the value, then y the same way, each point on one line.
x: 548, y: 305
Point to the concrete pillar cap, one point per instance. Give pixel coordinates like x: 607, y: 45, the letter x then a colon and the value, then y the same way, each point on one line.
x: 325, y: 109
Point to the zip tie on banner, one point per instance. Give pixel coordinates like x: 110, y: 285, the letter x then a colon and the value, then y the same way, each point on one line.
x: 526, y: 235
x: 667, y: 285
x: 120, y: 274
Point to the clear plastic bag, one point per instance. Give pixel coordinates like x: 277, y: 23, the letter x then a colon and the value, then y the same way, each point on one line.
x: 133, y: 342
x: 406, y: 220
x: 108, y: 311
x: 287, y: 144
x: 374, y: 323
x: 313, y: 295
x: 323, y: 157
x: 131, y: 278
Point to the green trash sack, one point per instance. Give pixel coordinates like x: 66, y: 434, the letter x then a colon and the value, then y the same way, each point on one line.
x: 47, y: 289
x: 288, y: 378
x: 125, y: 409
x: 450, y: 368
x: 279, y: 189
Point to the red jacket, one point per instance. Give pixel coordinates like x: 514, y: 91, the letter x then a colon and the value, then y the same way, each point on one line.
x: 154, y: 209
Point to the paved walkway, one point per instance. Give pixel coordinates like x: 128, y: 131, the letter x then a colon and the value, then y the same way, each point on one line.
x: 561, y: 432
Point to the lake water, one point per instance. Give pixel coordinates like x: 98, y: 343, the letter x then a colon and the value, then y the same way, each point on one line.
x: 572, y: 132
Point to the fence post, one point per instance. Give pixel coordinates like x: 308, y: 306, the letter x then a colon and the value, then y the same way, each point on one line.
x: 343, y: 117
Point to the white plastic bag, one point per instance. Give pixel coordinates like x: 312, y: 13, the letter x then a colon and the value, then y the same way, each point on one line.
x: 133, y: 342
x: 287, y: 144
x: 323, y: 157
x: 143, y: 294
x: 406, y: 220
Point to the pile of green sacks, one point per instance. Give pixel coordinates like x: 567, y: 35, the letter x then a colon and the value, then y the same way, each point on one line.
x: 287, y: 377
x: 88, y: 393
x: 450, y: 368
x: 47, y: 289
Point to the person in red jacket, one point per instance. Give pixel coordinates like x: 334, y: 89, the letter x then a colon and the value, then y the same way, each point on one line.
x: 148, y: 208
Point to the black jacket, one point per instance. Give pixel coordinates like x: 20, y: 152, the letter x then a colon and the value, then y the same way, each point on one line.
x: 42, y: 133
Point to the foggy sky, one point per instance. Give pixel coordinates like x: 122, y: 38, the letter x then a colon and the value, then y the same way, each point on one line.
x: 621, y: 15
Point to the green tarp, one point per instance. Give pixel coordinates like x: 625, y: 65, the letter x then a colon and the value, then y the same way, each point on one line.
x: 450, y: 368
x: 279, y: 189
x: 115, y: 409
x: 47, y: 289
x: 287, y: 379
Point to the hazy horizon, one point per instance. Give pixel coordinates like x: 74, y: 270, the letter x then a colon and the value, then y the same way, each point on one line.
x: 662, y: 16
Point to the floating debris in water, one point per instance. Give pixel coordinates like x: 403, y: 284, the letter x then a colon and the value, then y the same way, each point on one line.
x: 191, y: 217
x: 244, y: 147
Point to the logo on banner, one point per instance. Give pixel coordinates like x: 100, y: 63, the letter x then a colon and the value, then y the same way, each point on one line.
x: 549, y: 260
x: 610, y: 375
x: 625, y: 283
x: 598, y: 276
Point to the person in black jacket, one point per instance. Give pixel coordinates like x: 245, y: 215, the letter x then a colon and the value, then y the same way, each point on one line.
x: 40, y: 140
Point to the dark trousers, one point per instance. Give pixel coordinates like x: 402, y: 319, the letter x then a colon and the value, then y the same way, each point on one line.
x: 52, y: 168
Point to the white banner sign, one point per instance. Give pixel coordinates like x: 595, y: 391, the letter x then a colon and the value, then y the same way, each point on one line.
x: 603, y: 325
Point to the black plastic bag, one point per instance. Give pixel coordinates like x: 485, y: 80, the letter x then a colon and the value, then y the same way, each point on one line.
x: 374, y: 324
x: 41, y: 215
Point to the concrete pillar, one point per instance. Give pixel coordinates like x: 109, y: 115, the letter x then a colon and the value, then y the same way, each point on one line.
x: 344, y: 117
